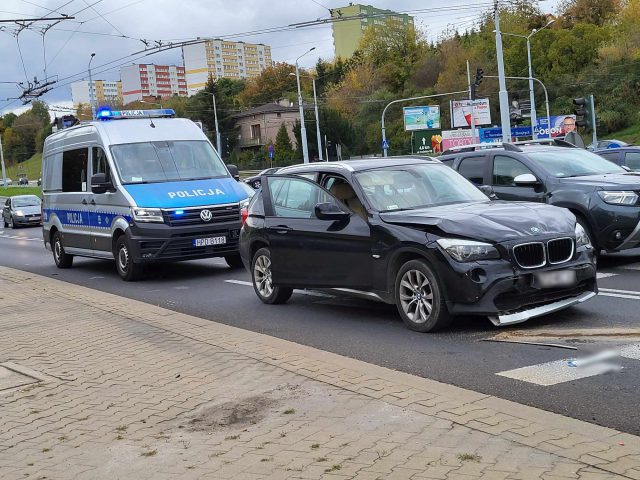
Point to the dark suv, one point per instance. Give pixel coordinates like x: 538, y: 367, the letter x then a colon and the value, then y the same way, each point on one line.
x: 604, y: 197
x: 628, y: 156
x: 413, y: 232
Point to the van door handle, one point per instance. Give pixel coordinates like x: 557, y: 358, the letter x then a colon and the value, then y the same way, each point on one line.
x: 93, y: 202
x: 84, y: 201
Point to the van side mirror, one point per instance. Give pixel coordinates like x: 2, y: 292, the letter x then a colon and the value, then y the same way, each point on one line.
x: 99, y: 183
x: 233, y: 170
x: 330, y: 211
x: 526, y: 180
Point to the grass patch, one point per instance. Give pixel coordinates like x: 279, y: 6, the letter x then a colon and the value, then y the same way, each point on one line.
x: 629, y: 135
x: 333, y: 468
x: 121, y: 428
x: 468, y: 457
x: 13, y: 191
x: 267, y: 459
x: 31, y: 167
x: 321, y: 459
x: 232, y: 437
x: 150, y: 453
x: 315, y: 445
x: 289, y: 411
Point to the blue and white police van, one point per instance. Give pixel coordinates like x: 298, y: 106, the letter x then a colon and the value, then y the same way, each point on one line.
x: 138, y: 186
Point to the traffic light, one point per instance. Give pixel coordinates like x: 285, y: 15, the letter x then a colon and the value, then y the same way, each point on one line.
x: 582, y: 111
x: 476, y: 82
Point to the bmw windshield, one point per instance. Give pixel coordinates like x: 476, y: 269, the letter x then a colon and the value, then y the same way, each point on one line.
x: 167, y: 161
x: 414, y: 186
x: 573, y: 162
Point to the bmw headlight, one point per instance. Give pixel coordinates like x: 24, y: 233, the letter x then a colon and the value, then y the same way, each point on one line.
x: 468, y: 250
x: 147, y: 215
x: 582, y: 239
x: 622, y: 197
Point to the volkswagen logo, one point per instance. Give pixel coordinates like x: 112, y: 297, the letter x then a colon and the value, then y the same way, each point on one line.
x: 206, y: 215
x: 533, y: 229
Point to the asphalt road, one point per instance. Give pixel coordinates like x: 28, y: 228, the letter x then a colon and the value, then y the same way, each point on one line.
x: 374, y: 333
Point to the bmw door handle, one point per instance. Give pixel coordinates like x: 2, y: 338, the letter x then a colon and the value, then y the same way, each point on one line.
x: 282, y: 229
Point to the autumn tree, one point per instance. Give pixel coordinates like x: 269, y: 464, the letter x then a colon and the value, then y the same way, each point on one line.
x: 273, y: 84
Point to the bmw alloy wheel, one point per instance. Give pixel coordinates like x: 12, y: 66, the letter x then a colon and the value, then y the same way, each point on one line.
x: 262, y: 276
x: 416, y: 296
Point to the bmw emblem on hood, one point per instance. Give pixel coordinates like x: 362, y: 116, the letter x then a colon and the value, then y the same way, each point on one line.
x: 206, y: 215
x: 535, y: 230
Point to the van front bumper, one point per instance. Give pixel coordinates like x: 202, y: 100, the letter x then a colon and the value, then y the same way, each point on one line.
x: 163, y: 243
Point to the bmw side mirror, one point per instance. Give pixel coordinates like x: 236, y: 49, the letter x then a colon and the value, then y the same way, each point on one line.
x: 526, y: 180
x: 233, y: 170
x: 330, y: 211
x: 488, y: 191
x: 99, y: 183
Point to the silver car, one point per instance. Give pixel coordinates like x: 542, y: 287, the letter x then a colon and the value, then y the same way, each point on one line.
x: 22, y: 210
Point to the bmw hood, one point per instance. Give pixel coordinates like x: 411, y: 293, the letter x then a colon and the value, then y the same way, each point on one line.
x: 617, y: 181
x: 191, y: 193
x: 492, y: 222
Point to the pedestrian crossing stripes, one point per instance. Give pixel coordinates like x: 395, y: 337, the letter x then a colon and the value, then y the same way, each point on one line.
x: 561, y: 371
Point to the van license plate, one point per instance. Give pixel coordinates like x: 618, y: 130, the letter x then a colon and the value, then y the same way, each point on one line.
x: 558, y: 278
x: 206, y: 242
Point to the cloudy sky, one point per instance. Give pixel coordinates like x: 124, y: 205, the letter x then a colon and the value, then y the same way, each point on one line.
x: 114, y: 29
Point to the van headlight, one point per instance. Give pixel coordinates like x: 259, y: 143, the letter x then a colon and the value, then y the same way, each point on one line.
x: 147, y: 215
x: 468, y: 250
x: 582, y: 239
x: 244, y: 203
x: 622, y: 197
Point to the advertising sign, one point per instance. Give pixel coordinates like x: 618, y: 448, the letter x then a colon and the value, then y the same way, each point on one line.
x: 461, y: 112
x: 421, y: 118
x: 559, y: 125
x: 427, y: 142
x: 457, y: 138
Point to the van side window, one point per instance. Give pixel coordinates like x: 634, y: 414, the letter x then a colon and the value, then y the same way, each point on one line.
x: 100, y: 163
x: 74, y: 170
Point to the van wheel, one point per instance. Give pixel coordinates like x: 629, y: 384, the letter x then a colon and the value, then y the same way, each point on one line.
x: 262, y: 282
x: 128, y: 270
x: 234, y: 261
x: 419, y: 298
x: 62, y: 259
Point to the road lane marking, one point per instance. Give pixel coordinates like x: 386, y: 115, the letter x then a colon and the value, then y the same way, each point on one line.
x: 611, y: 292
x: 600, y: 275
x: 15, y: 237
x: 632, y: 266
x: 303, y: 292
x: 560, y: 371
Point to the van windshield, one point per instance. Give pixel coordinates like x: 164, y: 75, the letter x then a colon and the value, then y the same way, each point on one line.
x: 167, y: 161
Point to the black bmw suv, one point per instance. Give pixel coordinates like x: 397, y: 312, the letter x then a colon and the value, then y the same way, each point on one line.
x: 415, y: 233
x: 604, y: 197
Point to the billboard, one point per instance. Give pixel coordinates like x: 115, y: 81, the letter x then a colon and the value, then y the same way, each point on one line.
x: 461, y: 112
x: 457, y: 138
x: 558, y: 125
x: 421, y: 118
x: 427, y: 142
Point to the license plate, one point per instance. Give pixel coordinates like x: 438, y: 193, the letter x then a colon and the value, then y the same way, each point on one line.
x: 558, y: 278
x: 206, y: 242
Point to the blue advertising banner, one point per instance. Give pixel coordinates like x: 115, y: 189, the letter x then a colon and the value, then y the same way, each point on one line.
x: 560, y: 125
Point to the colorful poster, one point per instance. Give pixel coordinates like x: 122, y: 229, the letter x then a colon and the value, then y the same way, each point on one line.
x: 421, y: 118
x: 427, y: 142
x: 457, y: 138
x: 461, y: 112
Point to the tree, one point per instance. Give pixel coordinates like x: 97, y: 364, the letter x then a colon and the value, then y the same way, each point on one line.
x: 40, y: 110
x: 283, y: 147
x: 595, y: 12
x: 273, y: 84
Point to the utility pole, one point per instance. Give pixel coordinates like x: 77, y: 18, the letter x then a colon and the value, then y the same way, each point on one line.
x: 4, y: 174
x: 593, y: 120
x: 91, y: 100
x: 503, y: 95
x: 326, y: 147
x: 303, y: 130
x: 315, y: 101
x: 215, y: 119
x: 473, y: 101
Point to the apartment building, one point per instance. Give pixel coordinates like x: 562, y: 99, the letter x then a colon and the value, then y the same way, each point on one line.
x: 348, y: 33
x: 223, y: 59
x: 149, y: 80
x: 104, y: 92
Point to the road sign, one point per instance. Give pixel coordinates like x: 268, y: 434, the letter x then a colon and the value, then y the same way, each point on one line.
x: 271, y: 151
x: 385, y: 145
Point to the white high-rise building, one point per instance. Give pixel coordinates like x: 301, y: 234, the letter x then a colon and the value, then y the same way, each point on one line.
x: 104, y: 92
x: 140, y: 81
x: 223, y: 59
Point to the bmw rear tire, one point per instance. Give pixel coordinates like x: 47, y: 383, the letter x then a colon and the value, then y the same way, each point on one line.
x: 62, y: 258
x: 128, y: 270
x: 262, y: 280
x: 419, y: 298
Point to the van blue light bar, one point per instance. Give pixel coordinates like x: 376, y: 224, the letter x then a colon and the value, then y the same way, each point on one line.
x: 106, y: 114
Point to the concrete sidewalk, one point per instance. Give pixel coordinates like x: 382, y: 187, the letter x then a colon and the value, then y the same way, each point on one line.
x: 95, y: 386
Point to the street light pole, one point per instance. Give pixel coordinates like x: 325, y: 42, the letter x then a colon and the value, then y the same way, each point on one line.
x: 315, y: 101
x: 215, y: 119
x: 503, y: 95
x: 303, y: 130
x: 93, y: 107
x: 4, y: 174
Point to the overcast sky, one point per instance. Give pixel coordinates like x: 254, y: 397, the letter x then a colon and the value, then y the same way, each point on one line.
x: 106, y: 24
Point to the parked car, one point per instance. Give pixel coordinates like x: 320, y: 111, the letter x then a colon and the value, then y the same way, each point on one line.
x: 628, y: 156
x: 21, y: 210
x: 8, y: 180
x: 414, y: 233
x: 604, y: 197
x: 23, y: 180
x: 254, y: 181
x: 602, y: 144
x: 40, y: 181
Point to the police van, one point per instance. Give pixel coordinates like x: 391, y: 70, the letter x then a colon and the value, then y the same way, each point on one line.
x: 138, y: 186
